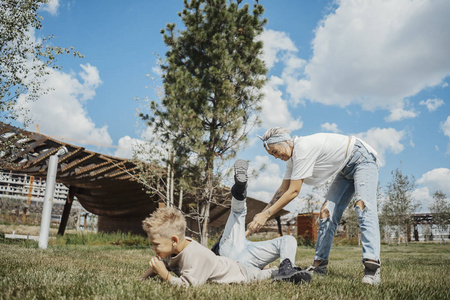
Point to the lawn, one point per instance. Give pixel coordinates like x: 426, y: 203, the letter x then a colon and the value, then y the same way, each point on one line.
x: 417, y: 271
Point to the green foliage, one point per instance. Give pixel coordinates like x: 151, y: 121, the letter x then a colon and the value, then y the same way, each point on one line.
x: 91, y: 239
x: 440, y: 208
x: 104, y: 272
x: 212, y: 78
x: 306, y: 242
x: 400, y: 204
x: 24, y: 61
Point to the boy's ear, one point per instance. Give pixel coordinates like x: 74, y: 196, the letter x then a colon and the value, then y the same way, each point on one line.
x: 175, y: 239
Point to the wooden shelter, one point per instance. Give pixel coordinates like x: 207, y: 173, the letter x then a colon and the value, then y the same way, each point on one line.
x: 103, y: 184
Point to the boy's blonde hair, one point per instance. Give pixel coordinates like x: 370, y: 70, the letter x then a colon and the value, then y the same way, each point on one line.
x: 165, y: 221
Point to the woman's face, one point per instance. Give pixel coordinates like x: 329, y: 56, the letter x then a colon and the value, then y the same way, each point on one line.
x: 280, y: 150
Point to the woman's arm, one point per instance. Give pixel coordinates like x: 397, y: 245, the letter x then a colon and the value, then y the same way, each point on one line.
x: 260, y: 219
x: 281, y: 190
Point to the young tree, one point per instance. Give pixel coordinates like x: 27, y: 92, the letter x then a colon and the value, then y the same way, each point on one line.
x: 24, y: 60
x: 400, y: 205
x: 212, y: 78
x: 441, y: 212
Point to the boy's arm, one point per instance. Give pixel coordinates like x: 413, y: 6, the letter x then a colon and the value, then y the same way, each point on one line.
x: 159, y: 268
x: 148, y: 273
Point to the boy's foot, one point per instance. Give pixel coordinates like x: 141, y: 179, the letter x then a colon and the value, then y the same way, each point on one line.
x: 239, y: 189
x: 240, y: 172
x: 372, y: 274
x: 321, y: 269
x: 287, y: 272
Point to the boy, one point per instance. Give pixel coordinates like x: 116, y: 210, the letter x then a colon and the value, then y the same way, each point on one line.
x: 193, y: 263
x: 233, y: 243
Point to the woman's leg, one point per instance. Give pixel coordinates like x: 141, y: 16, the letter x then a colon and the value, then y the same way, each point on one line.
x: 366, y: 184
x: 338, y: 198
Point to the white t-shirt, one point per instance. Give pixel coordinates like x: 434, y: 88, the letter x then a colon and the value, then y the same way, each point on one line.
x: 317, y: 157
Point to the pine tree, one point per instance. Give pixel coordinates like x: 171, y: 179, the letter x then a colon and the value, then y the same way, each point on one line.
x: 212, y: 77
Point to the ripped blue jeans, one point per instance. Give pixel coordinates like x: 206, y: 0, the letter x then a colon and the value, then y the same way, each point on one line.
x: 358, y: 178
x: 235, y: 245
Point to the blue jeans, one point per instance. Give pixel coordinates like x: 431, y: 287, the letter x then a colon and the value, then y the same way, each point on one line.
x: 234, y: 244
x: 358, y: 178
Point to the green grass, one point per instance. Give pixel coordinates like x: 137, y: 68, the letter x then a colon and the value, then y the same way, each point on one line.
x: 67, y: 271
x: 97, y: 239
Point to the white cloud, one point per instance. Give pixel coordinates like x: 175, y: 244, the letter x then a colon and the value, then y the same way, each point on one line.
x: 60, y: 112
x: 156, y: 70
x: 330, y: 127
x: 398, y: 114
x: 432, y: 181
x: 377, y: 53
x: 445, y: 126
x: 437, y: 179
x: 91, y: 80
x: 432, y: 104
x: 126, y: 146
x: 268, y: 181
x: 275, y: 110
x: 275, y: 43
x: 422, y: 196
x: 278, y: 47
x: 51, y: 7
x: 384, y: 139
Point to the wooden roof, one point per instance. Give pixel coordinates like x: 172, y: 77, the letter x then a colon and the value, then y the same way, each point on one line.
x: 103, y: 184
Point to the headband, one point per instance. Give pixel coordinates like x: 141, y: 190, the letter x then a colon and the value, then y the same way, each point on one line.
x: 274, y: 139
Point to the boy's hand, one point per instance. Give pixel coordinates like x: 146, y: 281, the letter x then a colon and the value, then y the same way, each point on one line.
x: 258, y: 221
x: 159, y: 268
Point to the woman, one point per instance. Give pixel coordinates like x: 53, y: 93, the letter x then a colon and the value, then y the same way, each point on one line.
x: 313, y: 160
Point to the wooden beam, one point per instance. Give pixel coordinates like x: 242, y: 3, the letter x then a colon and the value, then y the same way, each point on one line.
x: 91, y: 168
x: 77, y: 162
x: 70, y: 154
x: 44, y: 156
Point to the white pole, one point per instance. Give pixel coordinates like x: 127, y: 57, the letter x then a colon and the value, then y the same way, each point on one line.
x: 48, y: 198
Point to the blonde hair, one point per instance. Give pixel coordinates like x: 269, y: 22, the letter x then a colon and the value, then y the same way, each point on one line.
x: 165, y: 221
x: 275, y: 131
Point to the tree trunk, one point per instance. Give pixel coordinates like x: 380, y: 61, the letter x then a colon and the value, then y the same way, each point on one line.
x: 204, y: 232
x: 209, y: 191
x: 180, y: 201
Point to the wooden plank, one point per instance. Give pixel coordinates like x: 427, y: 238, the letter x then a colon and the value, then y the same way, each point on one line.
x: 91, y: 168
x: 77, y: 162
x: 44, y: 156
x: 70, y: 154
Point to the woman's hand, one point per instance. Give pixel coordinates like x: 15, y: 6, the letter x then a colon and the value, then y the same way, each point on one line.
x: 159, y: 268
x: 258, y: 221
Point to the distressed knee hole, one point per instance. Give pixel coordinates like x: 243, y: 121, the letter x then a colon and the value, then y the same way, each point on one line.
x: 324, y: 212
x: 360, y: 204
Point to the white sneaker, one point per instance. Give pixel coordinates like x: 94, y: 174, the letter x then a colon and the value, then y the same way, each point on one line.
x: 372, y: 274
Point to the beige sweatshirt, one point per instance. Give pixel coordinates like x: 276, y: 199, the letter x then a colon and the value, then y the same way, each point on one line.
x: 196, y: 265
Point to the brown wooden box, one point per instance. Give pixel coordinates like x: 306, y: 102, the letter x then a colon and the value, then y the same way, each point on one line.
x: 307, y: 227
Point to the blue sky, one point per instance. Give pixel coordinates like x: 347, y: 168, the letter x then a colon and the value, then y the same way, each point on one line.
x: 379, y: 70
